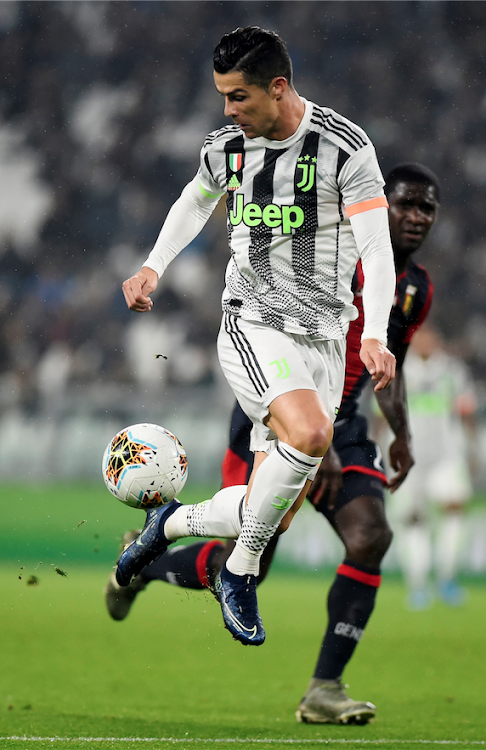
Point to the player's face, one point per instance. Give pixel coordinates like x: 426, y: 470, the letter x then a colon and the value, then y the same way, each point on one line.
x: 251, y: 107
x: 413, y: 208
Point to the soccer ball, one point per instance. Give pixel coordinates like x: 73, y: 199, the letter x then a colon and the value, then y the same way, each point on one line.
x: 144, y: 466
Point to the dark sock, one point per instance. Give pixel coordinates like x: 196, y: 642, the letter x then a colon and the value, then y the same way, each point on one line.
x: 185, y: 565
x: 350, y: 603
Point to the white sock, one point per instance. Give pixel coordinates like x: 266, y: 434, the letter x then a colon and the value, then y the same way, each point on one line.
x: 415, y: 549
x: 277, y: 484
x: 448, y: 546
x: 220, y: 516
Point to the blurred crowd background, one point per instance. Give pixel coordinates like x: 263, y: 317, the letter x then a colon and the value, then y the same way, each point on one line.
x: 103, y: 109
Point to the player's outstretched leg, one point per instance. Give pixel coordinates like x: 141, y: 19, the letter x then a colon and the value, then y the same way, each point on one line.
x: 326, y: 702
x: 218, y: 516
x: 238, y: 600
x: 148, y: 546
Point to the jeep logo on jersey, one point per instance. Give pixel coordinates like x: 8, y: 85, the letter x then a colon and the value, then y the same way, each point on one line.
x: 308, y: 172
x: 272, y: 216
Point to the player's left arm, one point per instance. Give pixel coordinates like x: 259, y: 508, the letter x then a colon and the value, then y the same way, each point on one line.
x: 360, y: 183
x: 393, y: 404
x: 369, y: 221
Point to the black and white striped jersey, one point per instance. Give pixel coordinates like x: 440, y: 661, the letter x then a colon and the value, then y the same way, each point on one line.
x: 293, y: 253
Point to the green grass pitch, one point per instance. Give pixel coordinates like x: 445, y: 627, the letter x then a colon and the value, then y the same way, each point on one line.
x: 171, y: 677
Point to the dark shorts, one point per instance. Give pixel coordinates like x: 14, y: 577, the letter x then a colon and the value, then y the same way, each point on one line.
x: 363, y: 469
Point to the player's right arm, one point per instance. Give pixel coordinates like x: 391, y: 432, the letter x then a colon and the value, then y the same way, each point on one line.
x: 184, y: 221
x: 137, y: 289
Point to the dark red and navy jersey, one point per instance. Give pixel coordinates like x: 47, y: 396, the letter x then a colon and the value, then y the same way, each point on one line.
x: 413, y: 298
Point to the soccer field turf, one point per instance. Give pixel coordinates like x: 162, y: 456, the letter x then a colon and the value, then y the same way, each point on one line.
x: 171, y: 677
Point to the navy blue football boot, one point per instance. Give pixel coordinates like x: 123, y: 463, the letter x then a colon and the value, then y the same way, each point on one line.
x: 150, y: 544
x: 238, y: 600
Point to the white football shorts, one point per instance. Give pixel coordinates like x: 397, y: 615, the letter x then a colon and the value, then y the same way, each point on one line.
x: 261, y: 363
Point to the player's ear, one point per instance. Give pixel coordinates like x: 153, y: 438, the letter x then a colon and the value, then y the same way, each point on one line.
x: 278, y: 87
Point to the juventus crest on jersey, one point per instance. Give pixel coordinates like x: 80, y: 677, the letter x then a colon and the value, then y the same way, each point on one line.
x: 293, y: 254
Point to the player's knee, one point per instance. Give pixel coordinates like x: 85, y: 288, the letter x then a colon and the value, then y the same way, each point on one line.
x: 314, y: 439
x: 369, y: 543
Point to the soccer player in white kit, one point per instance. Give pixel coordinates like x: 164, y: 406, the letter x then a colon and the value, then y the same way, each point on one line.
x: 304, y: 196
x: 428, y: 508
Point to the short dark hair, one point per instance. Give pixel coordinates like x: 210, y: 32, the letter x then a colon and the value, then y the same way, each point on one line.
x: 258, y: 54
x: 411, y: 172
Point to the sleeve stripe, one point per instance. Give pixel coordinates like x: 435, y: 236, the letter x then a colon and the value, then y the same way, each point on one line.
x: 358, y: 208
x: 207, y: 194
